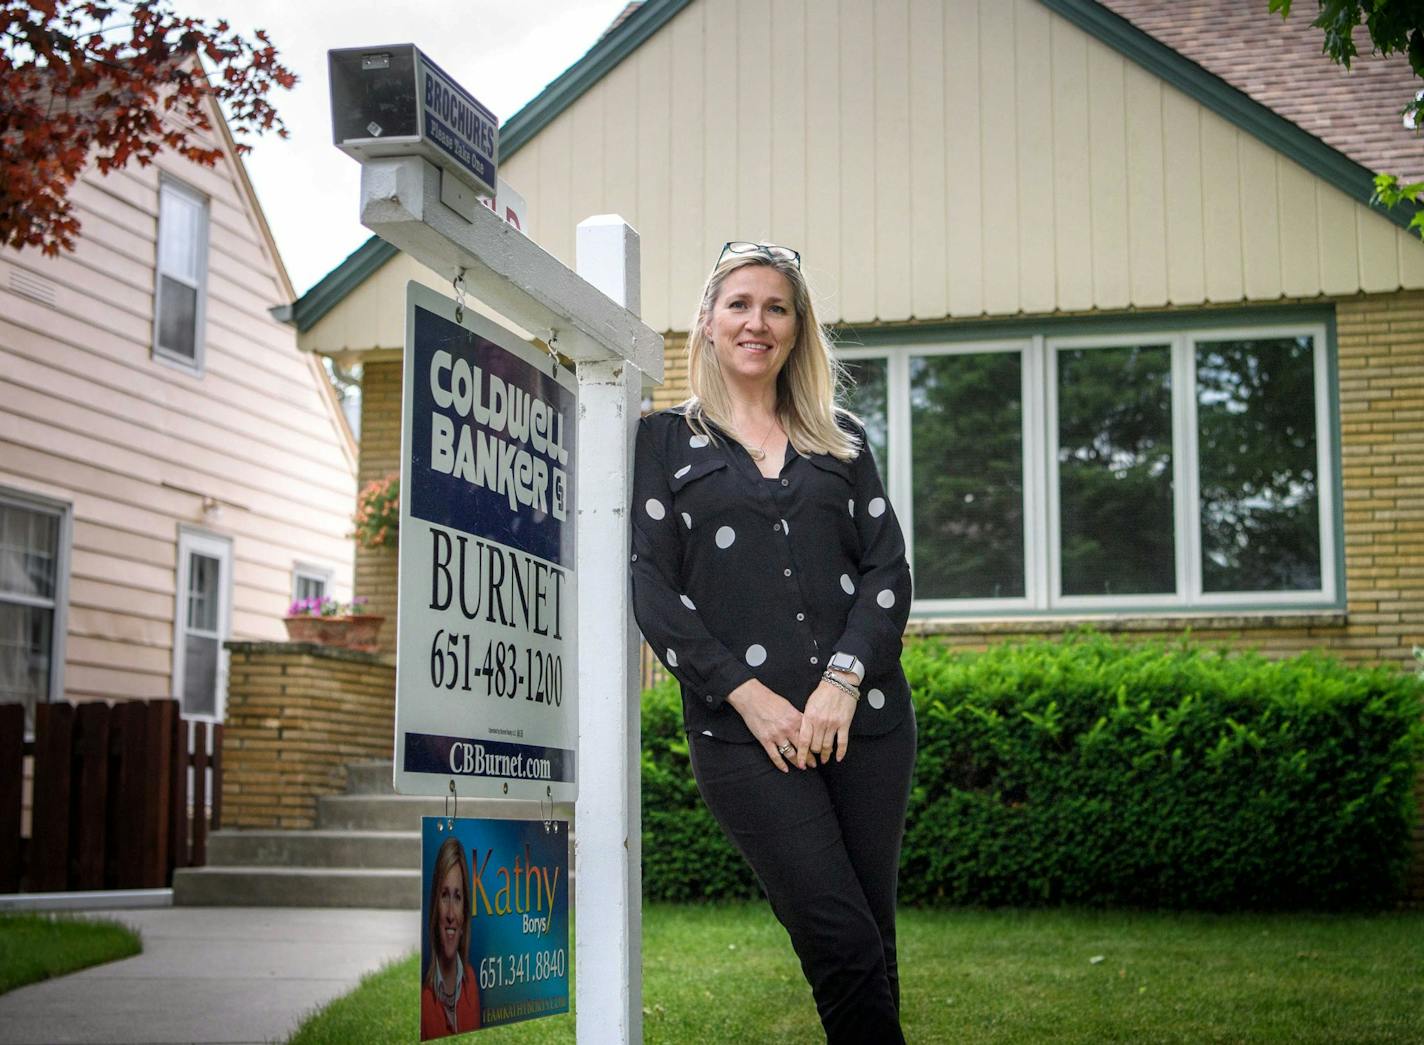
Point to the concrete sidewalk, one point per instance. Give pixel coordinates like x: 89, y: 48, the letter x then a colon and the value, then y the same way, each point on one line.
x: 212, y: 974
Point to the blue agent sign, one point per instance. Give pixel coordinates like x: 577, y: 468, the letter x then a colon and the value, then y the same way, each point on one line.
x: 495, y: 923
x: 485, y: 670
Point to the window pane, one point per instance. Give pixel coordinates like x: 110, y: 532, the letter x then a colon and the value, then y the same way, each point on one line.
x: 309, y: 587
x: 29, y: 547
x: 866, y: 397
x: 200, y: 675
x: 1260, y: 510
x: 180, y: 234
x: 26, y: 642
x: 966, y: 419
x: 1115, y: 470
x: 203, y: 577
x: 177, y: 326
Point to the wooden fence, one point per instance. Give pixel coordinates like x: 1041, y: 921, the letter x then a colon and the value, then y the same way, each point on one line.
x: 123, y: 793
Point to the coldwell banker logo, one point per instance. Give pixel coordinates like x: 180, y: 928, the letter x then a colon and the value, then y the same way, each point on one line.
x: 460, y: 125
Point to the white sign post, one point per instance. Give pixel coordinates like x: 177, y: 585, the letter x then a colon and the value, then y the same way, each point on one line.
x: 608, y: 837
x: 614, y: 352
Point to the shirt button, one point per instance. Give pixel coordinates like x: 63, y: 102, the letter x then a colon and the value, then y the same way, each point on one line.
x: 800, y: 616
x: 786, y: 573
x: 709, y: 698
x: 814, y: 661
x: 776, y: 528
x: 635, y: 558
x: 786, y: 482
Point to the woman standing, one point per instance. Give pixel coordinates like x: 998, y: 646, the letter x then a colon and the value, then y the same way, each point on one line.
x: 769, y: 576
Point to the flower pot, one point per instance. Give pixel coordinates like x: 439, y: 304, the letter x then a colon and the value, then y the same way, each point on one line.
x: 356, y: 632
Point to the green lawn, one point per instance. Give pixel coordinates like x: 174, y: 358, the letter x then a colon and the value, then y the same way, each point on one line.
x: 718, y: 974
x: 35, y: 947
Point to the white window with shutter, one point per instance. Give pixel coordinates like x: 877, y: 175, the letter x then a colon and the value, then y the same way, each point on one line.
x: 204, y: 610
x: 182, y: 276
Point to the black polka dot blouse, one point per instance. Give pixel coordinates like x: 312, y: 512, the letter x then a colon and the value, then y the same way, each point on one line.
x: 736, y: 576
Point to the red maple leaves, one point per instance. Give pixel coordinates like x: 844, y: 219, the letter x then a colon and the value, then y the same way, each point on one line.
x: 111, y: 82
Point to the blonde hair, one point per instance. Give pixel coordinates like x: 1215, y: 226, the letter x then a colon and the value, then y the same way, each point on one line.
x: 451, y: 854
x: 805, y: 388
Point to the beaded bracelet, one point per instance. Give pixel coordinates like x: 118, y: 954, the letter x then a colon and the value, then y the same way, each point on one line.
x: 841, y: 684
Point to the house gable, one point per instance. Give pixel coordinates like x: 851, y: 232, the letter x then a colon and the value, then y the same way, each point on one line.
x: 946, y: 176
x: 955, y: 159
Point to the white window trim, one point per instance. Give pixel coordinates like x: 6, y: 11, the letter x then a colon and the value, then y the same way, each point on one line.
x: 1043, y: 595
x: 307, y: 571
x: 60, y: 629
x: 1324, y: 464
x: 167, y: 183
x: 205, y: 543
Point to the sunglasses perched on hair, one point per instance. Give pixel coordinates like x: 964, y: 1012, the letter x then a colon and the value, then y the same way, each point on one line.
x: 768, y: 250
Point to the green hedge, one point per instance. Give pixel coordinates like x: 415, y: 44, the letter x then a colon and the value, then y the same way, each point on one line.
x: 1087, y: 771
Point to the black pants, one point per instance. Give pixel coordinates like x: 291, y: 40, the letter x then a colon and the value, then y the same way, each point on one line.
x: 825, y: 844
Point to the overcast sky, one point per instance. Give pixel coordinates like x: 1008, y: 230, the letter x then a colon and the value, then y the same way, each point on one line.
x: 503, y: 51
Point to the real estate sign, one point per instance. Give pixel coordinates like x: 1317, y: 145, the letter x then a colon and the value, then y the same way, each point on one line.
x: 494, y: 923
x: 485, y: 670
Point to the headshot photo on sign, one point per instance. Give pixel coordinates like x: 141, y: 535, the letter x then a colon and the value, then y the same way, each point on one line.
x: 769, y: 577
x: 450, y: 994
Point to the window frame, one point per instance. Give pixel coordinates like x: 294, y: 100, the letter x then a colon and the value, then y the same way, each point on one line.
x: 1042, y: 553
x: 203, y: 542
x: 59, y: 630
x: 195, y: 365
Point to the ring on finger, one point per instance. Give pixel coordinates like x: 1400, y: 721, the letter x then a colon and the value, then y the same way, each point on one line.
x: 786, y: 749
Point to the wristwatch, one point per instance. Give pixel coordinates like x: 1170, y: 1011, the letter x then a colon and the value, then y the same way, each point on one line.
x: 849, y: 664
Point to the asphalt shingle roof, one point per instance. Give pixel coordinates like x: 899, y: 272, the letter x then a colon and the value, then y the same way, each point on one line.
x: 1280, y: 64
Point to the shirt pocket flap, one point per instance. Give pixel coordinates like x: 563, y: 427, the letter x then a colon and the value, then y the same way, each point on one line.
x: 690, y: 472
x: 834, y: 465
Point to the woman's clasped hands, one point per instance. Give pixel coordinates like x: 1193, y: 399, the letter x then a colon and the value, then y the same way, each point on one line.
x: 790, y: 737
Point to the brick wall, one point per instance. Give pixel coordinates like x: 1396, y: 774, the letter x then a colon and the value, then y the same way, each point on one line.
x: 1381, y: 341
x: 297, y: 714
x: 674, y: 388
x: 380, y: 456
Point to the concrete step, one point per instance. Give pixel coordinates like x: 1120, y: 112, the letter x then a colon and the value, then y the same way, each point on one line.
x: 369, y: 778
x: 315, y: 849
x: 297, y: 887
x: 403, y: 812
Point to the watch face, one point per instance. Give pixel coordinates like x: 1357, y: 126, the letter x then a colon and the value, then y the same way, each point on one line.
x: 843, y: 662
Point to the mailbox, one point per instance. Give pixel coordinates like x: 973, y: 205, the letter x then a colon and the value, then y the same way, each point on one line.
x: 394, y: 101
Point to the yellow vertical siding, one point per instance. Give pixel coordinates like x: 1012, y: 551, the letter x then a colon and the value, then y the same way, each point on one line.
x: 655, y: 224
x: 1033, y: 93
x: 1261, y: 235
x: 939, y: 158
x: 925, y: 233
x: 786, y: 80
x: 1147, y: 203
x: 893, y: 206
x: 856, y: 287
x: 964, y: 120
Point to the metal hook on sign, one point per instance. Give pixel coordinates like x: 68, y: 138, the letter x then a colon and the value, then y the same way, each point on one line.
x: 550, y: 824
x: 553, y: 353
x: 450, y: 819
x: 459, y: 284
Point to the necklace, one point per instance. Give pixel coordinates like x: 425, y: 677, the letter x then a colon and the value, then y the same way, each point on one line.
x: 758, y: 452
